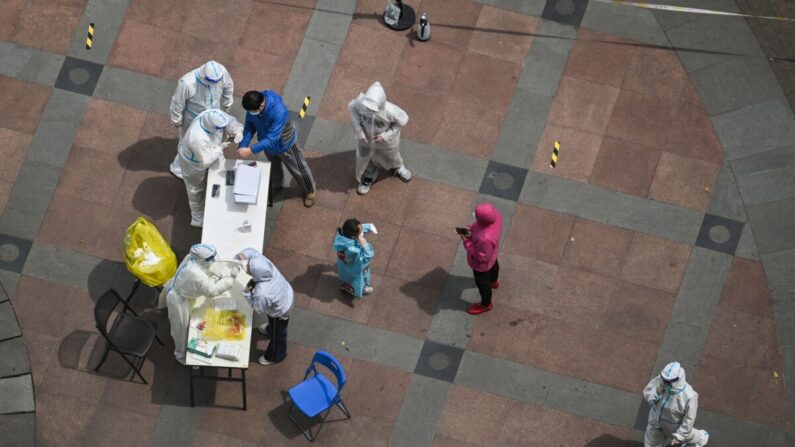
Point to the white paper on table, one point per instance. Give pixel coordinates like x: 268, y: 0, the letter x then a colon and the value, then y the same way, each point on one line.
x: 246, y: 183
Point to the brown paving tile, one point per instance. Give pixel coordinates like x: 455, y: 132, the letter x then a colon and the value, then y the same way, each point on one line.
x: 302, y: 272
x: 375, y: 390
x: 118, y: 428
x: 525, y: 283
x: 383, y: 243
x: 683, y: 181
x: 191, y: 52
x: 426, y: 110
x: 462, y: 420
x: 34, y: 297
x: 374, y: 51
x: 655, y: 262
x: 74, y: 224
x: 578, y: 152
x: 96, y: 133
x: 422, y: 258
x: 582, y: 431
x: 346, y: 82
x: 444, y: 441
x: 724, y: 386
x: 48, y: 27
x: 204, y: 16
x: 746, y: 290
x: 361, y: 430
x: 142, y: 47
x: 70, y: 373
x: 744, y: 339
x: 625, y: 167
x: 5, y: 193
x: 641, y: 119
x: 490, y: 332
x: 452, y: 20
x: 486, y: 81
x: 656, y: 72
x: 257, y: 70
x: 148, y: 189
x: 690, y: 96
x: 769, y: 404
x: 438, y: 209
x: 415, y: 304
x: 13, y: 152
x: 692, y: 134
x: 333, y: 188
x: 600, y: 58
x: 61, y: 420
x: 471, y: 131
x: 387, y: 202
x: 9, y: 17
x: 597, y: 247
x: 42, y: 348
x: 159, y: 370
x: 23, y: 104
x: 638, y: 312
x: 206, y: 438
x: 277, y: 22
x: 91, y: 175
x: 369, y: 13
x: 503, y: 34
x: 579, y: 295
x: 538, y: 233
x: 328, y: 299
x: 309, y: 232
x: 157, y: 13
x: 429, y: 67
x: 583, y: 105
x: 157, y: 143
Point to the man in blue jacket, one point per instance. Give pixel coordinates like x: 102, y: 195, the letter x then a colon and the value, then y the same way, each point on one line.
x: 278, y: 138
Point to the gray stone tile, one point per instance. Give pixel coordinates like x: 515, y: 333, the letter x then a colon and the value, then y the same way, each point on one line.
x: 29, y: 199
x: 522, y: 128
x: 340, y: 6
x: 736, y: 83
x: 135, y: 90
x: 420, y: 413
x: 14, y: 357
x: 328, y: 26
x: 73, y: 269
x: 29, y: 64
x: 13, y: 252
x: 747, y: 246
x: 766, y: 177
x: 701, y: 287
x: 271, y: 217
x: 672, y: 19
x: 611, y: 207
x: 529, y: 7
x: 549, y: 28
x: 755, y: 129
x: 362, y: 342
x: 439, y: 361
x: 107, y: 16
x: 9, y: 328
x: 618, y: 20
x: 726, y: 200
x: 703, y: 41
x: 329, y: 137
x: 19, y: 430
x: 443, y: 166
x: 8, y: 284
x: 17, y: 395
x: 58, y: 128
x: 567, y: 12
x: 592, y: 400
x: 504, y: 378
x: 176, y: 426
x: 452, y: 324
x: 773, y: 225
x: 503, y: 180
x: 13, y: 58
x: 311, y: 72
x: 719, y: 234
x: 78, y: 76
x: 544, y: 65
x: 683, y: 343
x: 778, y: 269
x: 731, y: 432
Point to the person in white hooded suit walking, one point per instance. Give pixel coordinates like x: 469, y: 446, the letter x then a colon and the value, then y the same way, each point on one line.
x: 674, y: 404
x: 377, y: 124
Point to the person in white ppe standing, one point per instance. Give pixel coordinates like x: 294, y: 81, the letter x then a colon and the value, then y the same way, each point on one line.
x: 206, y: 87
x: 204, y: 142
x: 192, y: 280
x: 268, y: 293
x: 377, y: 124
x: 674, y: 404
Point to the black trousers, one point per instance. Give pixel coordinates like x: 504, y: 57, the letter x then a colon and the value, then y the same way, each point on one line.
x: 483, y: 281
x: 277, y: 348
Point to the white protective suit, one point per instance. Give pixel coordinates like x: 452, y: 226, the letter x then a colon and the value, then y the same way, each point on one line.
x: 192, y: 280
x: 203, y: 144
x: 207, y: 87
x: 673, y: 410
x: 272, y: 294
x: 373, y: 115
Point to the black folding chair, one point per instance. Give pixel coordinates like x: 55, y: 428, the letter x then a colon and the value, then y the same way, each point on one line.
x: 129, y: 334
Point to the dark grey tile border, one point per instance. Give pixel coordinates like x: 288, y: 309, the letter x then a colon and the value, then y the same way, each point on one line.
x: 311, y: 72
x: 136, y: 90
x: 766, y: 177
x: 748, y: 80
x: 567, y: 12
x: 29, y: 64
x: 503, y: 181
x: 619, y: 20
x: 17, y: 394
x: 19, y: 430
x: 14, y: 358
x: 773, y: 225
x: 420, y: 413
x: 8, y: 280
x: 13, y: 252
x: 9, y: 327
x: 29, y: 200
x: 439, y: 361
x: 78, y: 76
x: 719, y: 234
x: 754, y: 129
x: 58, y: 128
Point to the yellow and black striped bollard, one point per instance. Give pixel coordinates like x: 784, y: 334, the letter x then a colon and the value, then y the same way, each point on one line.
x: 90, y: 37
x: 555, y: 153
x: 302, y: 112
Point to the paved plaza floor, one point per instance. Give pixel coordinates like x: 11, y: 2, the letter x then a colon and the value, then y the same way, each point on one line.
x: 665, y: 232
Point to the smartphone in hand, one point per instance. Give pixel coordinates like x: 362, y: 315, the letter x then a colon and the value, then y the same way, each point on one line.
x: 463, y: 231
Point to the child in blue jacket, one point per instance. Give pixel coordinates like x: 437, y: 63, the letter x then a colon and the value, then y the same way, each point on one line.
x: 353, y: 257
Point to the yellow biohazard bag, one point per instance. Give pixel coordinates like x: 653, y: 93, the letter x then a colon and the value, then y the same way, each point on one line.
x: 228, y: 325
x: 147, y: 255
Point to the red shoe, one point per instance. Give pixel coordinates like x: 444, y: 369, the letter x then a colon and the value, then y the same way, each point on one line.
x: 495, y: 284
x: 477, y: 309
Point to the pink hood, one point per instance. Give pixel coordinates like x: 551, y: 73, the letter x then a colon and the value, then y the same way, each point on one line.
x: 482, y: 248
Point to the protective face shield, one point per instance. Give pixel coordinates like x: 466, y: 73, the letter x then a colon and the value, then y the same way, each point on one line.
x: 203, y: 252
x: 214, y: 121
x: 211, y: 72
x: 670, y: 374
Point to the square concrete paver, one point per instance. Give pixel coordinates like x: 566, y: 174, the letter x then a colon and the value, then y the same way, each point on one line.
x: 600, y: 58
x: 142, y: 47
x: 578, y: 152
x: 439, y: 361
x: 719, y: 234
x: 746, y: 288
x: 583, y: 105
x: 567, y: 13
x: 13, y: 151
x: 295, y: 232
x: 438, y: 209
x: 276, y: 22
x: 504, y: 34
x: 655, y: 262
x: 625, y: 167
x: 455, y: 20
x: 50, y: 26
x: 503, y: 181
x: 675, y: 181
x: 538, y: 233
x: 95, y: 133
x: 23, y: 104
x: 422, y: 258
x: 641, y: 119
x: 597, y: 247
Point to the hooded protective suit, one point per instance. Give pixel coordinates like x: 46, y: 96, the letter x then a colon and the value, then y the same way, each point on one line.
x: 206, y: 87
x: 353, y: 262
x: 373, y: 115
x: 673, y: 410
x: 192, y: 280
x: 483, y: 245
x: 271, y: 294
x: 202, y: 145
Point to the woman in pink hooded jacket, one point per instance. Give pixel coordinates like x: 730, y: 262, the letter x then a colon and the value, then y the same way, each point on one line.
x: 482, y: 245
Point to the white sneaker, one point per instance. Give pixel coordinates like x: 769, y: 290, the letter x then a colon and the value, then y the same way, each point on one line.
x: 367, y: 290
x: 263, y: 329
x: 175, y: 171
x: 364, y: 186
x: 403, y: 173
x: 197, y: 223
x: 261, y: 360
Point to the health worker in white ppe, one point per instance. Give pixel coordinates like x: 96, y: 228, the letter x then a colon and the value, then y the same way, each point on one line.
x: 192, y: 280
x: 204, y: 142
x: 206, y: 87
x: 674, y: 404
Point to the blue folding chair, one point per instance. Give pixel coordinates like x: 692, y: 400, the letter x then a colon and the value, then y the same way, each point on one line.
x: 317, y: 394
